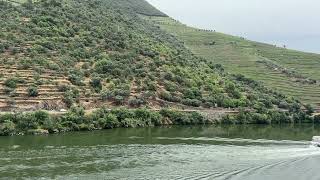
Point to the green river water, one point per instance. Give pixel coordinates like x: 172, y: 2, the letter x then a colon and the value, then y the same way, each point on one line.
x: 213, y: 152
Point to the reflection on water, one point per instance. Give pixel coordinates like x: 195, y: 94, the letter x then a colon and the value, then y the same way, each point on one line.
x: 215, y: 152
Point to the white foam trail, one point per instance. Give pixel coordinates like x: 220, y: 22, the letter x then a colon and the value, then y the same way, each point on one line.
x: 267, y: 141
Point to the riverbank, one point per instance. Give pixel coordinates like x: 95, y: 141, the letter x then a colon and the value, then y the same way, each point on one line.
x: 77, y: 119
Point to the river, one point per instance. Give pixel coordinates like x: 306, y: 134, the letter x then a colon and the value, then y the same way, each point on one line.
x: 250, y: 152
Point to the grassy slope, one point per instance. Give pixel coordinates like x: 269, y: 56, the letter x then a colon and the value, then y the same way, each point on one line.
x: 238, y: 55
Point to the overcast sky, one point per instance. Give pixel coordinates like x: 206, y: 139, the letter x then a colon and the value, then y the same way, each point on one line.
x: 295, y: 23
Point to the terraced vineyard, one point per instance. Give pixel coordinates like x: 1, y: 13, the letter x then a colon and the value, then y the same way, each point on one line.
x: 291, y: 72
x: 86, y: 54
x: 48, y: 85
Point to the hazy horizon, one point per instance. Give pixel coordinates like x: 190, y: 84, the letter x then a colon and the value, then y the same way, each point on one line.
x: 291, y: 22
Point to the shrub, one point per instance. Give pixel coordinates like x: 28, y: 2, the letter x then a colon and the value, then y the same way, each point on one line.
x: 295, y: 107
x: 155, y: 118
x: 175, y: 116
x: 109, y: 121
x: 149, y: 86
x: 119, y: 100
x: 86, y: 127
x: 226, y: 102
x: 170, y: 86
x: 7, y: 128
x: 63, y: 88
x: 261, y: 118
x: 2, y: 48
x: 310, y: 109
x: 228, y: 119
x: 191, y: 102
x: 132, y: 123
x: 27, y: 121
x: 123, y: 113
x: 165, y: 95
x: 75, y: 80
x: 106, y: 95
x: 283, y: 105
x: 41, y: 116
x: 70, y: 97
x: 267, y: 103
x: 50, y: 125
x: 24, y: 64
x: 197, y: 118
x: 136, y: 102
x: 193, y: 93
x: 76, y: 77
x: 96, y: 84
x: 32, y: 91
x: 11, y: 83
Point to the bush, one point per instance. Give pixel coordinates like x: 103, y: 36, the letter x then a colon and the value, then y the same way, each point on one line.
x: 165, y: 95
x: 136, y: 102
x: 11, y: 83
x: 191, y: 102
x: 109, y: 121
x: 50, y: 125
x: 96, y: 84
x: 131, y: 123
x: 228, y: 119
x: 310, y: 109
x: 193, y: 93
x: 119, y: 100
x: 32, y: 91
x: 181, y: 118
x: 197, y: 118
x: 63, y: 88
x: 7, y: 128
x: 27, y: 121
x: 283, y: 105
x: 76, y: 79
x: 24, y: 64
x: 106, y: 95
x: 70, y: 97
x: 261, y: 118
x: 295, y: 107
x: 86, y: 127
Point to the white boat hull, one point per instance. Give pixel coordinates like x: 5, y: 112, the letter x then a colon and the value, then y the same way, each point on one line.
x: 316, y: 141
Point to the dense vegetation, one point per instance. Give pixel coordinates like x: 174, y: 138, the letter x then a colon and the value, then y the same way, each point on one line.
x: 41, y: 122
x: 56, y: 54
x: 293, y: 73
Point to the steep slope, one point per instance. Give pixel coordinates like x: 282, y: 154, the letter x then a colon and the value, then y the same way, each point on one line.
x: 291, y: 72
x: 55, y: 54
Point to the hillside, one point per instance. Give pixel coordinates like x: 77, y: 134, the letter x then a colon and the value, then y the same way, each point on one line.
x: 293, y: 73
x: 56, y: 54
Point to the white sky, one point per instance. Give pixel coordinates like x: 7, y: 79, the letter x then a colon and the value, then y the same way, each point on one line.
x: 295, y: 23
